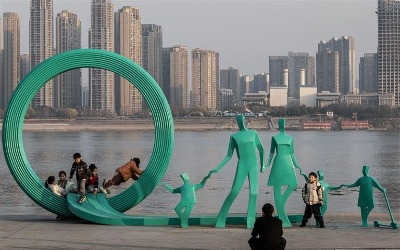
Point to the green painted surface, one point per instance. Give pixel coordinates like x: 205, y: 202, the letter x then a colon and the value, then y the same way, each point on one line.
x: 13, y: 121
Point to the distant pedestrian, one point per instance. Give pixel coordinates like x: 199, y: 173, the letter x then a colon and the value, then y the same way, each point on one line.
x: 313, y: 198
x: 269, y: 231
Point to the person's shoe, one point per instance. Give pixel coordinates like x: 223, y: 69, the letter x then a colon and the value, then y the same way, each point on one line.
x: 108, y: 191
x: 303, y: 224
x: 58, y: 217
x: 104, y: 182
x: 82, y: 199
x: 321, y: 224
x: 103, y: 190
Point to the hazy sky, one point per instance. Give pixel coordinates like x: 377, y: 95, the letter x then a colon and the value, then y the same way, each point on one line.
x: 244, y: 33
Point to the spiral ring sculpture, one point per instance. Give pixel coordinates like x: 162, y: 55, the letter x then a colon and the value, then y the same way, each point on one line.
x: 13, y: 146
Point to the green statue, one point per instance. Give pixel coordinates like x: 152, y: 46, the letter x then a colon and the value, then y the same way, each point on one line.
x: 282, y: 171
x: 245, y: 142
x: 365, y: 197
x: 325, y: 188
x: 188, y: 197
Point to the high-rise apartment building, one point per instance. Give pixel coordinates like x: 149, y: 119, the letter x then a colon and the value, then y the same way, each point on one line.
x: 179, y: 78
x: 368, y: 73
x: 205, y: 78
x: 41, y: 45
x: 152, y: 51
x: 166, y: 74
x: 296, y: 62
x: 328, y: 71
x: 101, y: 36
x: 245, y: 85
x: 345, y: 46
x: 230, y: 79
x: 389, y: 48
x: 24, y: 67
x: 128, y: 42
x: 68, y: 90
x: 277, y: 65
x: 260, y: 82
x: 11, y: 53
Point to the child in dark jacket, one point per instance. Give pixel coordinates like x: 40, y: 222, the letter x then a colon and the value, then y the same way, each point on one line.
x: 80, y: 168
x: 312, y: 196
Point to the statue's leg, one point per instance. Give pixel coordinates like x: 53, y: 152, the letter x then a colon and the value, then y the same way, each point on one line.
x: 223, y: 213
x: 280, y: 201
x: 186, y: 215
x: 364, y: 215
x: 251, y: 209
x: 178, y: 209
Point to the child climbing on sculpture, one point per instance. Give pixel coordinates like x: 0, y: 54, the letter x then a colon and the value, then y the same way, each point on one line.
x: 80, y: 168
x: 188, y: 197
x: 246, y: 142
x: 125, y: 172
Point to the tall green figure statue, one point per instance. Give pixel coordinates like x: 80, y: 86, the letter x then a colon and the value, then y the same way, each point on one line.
x: 245, y: 142
x: 282, y: 171
x: 365, y: 196
x: 188, y: 198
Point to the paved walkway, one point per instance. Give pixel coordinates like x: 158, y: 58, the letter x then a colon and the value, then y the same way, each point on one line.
x: 343, y: 231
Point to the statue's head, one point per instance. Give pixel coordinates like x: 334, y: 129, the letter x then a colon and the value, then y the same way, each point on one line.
x: 281, y: 124
x: 240, y: 121
x: 365, y: 170
x: 320, y: 175
x: 185, y: 177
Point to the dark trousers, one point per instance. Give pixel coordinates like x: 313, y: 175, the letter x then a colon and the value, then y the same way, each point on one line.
x: 116, y: 180
x: 256, y: 244
x: 310, y: 210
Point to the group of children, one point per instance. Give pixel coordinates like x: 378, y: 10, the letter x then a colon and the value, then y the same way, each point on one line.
x: 87, y: 179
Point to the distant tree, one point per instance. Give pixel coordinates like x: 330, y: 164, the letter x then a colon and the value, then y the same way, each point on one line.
x: 30, y: 113
x: 1, y: 114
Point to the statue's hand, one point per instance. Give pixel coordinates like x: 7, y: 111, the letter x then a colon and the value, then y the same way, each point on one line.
x: 384, y: 190
x: 262, y: 170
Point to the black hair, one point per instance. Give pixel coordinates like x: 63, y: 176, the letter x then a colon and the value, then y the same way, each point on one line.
x: 62, y: 172
x: 92, y: 167
x: 268, y: 209
x: 49, y: 180
x: 77, y: 155
x: 313, y: 174
x: 137, y: 161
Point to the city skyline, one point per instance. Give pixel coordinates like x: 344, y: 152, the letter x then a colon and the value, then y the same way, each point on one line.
x: 242, y: 37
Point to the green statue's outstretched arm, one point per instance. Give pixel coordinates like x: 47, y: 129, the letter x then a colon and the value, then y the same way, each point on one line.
x: 271, y: 154
x: 378, y: 186
x: 260, y: 148
x: 202, y: 183
x: 330, y: 188
x: 295, y: 163
x: 232, y: 146
x: 355, y: 184
x: 171, y: 189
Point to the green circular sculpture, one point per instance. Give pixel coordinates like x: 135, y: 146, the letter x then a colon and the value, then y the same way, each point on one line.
x: 13, y: 146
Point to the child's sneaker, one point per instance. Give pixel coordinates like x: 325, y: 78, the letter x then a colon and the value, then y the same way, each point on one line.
x: 104, y: 182
x: 103, y: 190
x: 82, y: 199
x: 108, y: 191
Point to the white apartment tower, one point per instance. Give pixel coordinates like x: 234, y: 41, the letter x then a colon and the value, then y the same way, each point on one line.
x: 101, y: 36
x: 68, y: 90
x: 11, y: 54
x: 205, y: 78
x: 389, y: 48
x: 41, y: 45
x: 179, y: 78
x: 128, y: 42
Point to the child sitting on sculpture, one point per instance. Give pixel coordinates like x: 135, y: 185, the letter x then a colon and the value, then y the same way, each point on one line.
x: 188, y: 197
x: 56, y: 189
x: 93, y: 181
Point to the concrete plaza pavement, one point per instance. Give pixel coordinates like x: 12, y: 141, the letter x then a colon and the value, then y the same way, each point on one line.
x: 43, y: 231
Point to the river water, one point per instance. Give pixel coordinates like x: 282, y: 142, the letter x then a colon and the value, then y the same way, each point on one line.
x: 341, y: 154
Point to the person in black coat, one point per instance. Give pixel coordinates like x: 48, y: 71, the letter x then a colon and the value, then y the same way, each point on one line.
x: 269, y: 231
